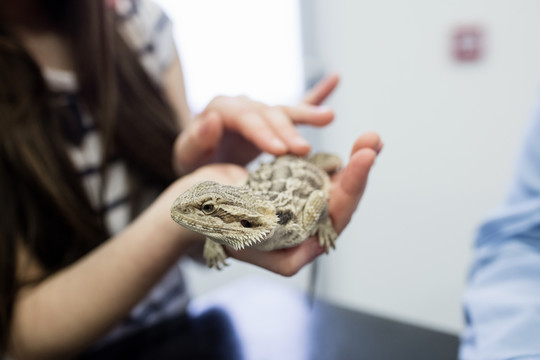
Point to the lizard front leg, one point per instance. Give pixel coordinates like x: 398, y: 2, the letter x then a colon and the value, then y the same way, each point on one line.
x: 317, y: 220
x: 326, y: 233
x: 214, y: 254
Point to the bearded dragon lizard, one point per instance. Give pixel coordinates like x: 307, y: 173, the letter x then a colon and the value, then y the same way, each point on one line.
x: 282, y: 204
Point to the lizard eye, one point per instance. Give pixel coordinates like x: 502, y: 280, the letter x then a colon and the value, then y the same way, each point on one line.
x: 208, y: 208
x: 245, y: 223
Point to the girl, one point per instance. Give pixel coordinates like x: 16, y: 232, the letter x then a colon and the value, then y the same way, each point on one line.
x: 96, y: 141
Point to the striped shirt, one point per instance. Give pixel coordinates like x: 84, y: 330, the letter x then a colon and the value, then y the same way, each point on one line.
x: 148, y: 30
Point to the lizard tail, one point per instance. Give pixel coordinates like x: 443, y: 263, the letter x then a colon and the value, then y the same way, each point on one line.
x: 312, y: 284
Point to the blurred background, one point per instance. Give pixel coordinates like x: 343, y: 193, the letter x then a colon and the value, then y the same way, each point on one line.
x: 449, y: 85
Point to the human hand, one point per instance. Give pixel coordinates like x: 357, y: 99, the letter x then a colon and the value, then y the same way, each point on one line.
x: 237, y: 129
x: 346, y: 190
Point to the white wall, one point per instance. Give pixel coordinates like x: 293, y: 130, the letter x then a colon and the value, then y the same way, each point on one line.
x: 451, y: 133
x: 233, y: 47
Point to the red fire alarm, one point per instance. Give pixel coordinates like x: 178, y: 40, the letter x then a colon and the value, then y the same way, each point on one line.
x: 468, y: 43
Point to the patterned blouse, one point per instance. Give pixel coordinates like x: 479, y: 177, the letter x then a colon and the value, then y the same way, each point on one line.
x: 149, y: 31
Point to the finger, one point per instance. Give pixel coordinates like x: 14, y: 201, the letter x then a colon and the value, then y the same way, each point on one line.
x: 284, y: 128
x: 198, y: 141
x: 309, y: 114
x: 257, y: 130
x: 318, y: 93
x: 370, y: 140
x: 286, y: 262
x: 349, y: 186
x: 226, y: 174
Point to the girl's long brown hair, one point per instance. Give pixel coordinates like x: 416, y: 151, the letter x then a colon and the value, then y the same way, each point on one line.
x: 44, y: 206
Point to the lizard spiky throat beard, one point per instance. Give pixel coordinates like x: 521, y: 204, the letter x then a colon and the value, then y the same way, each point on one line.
x: 228, y: 215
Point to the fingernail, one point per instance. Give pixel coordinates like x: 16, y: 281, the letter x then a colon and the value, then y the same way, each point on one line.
x: 379, y: 147
x: 278, y: 145
x: 323, y: 109
x: 300, y: 141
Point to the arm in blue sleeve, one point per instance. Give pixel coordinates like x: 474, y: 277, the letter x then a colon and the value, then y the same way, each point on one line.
x: 502, y: 299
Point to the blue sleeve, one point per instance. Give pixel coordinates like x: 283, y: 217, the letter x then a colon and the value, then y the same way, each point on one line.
x: 502, y: 299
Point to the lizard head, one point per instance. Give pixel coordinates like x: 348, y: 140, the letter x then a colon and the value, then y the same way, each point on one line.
x: 229, y: 215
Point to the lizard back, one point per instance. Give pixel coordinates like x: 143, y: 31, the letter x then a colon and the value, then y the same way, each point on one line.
x: 289, y: 182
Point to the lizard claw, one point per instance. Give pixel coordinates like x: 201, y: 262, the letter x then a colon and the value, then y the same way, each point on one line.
x: 216, y: 263
x: 327, y: 237
x: 214, y: 254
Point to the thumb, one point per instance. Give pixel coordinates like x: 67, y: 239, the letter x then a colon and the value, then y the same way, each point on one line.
x: 197, y: 142
x: 349, y: 186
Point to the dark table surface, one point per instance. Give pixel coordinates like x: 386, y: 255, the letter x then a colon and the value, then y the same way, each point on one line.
x: 255, y: 319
